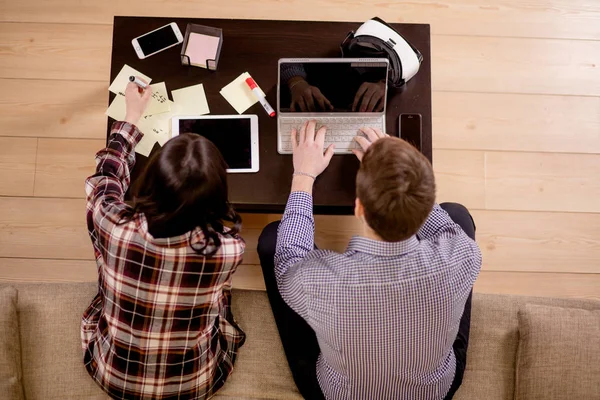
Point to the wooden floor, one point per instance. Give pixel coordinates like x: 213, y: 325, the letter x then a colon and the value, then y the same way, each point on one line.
x: 516, y: 130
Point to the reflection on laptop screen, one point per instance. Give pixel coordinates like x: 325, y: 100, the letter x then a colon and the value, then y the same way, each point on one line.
x: 332, y: 87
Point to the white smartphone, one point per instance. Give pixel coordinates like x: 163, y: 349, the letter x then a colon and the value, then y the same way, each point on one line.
x: 158, y: 40
x: 236, y: 137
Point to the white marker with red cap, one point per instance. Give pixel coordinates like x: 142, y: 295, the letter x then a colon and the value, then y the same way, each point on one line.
x: 261, y: 99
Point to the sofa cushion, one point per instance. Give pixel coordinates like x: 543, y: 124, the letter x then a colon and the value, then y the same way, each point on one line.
x: 50, y: 319
x: 10, y: 348
x: 494, y: 340
x: 261, y: 370
x: 559, y: 354
x: 50, y: 328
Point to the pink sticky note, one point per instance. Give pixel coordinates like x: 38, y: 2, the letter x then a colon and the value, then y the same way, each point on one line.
x: 201, y: 48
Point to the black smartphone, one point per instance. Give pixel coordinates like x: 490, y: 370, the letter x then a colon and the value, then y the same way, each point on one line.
x: 410, y: 129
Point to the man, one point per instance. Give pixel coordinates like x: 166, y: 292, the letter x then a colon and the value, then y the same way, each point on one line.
x: 389, y: 318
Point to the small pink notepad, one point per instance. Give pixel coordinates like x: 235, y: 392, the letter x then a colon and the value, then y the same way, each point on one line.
x: 201, y: 48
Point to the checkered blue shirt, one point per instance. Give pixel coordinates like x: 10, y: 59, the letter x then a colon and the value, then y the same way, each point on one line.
x: 385, y: 314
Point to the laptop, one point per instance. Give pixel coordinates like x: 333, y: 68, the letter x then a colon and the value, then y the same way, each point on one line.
x: 343, y: 94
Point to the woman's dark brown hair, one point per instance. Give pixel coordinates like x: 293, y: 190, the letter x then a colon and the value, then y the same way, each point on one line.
x: 184, y: 187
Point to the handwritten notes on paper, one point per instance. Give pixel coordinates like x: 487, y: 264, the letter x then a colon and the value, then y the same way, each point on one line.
x: 155, y: 124
x: 159, y: 124
x: 191, y: 100
x: 159, y: 103
x: 239, y: 95
x: 120, y: 83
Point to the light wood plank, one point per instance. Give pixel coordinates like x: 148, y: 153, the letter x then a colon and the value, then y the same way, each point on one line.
x: 531, y: 18
x: 63, y: 165
x: 512, y: 283
x: 55, y: 228
x: 538, y: 241
x: 55, y: 51
x: 510, y: 241
x: 490, y: 94
x: 542, y: 181
x: 514, y: 122
x: 247, y: 277
x: 17, y: 166
x: 252, y: 226
x: 53, y: 108
x: 45, y: 270
x: 459, y: 177
x: 461, y: 63
x: 539, y: 284
x: 515, y: 65
x: 44, y: 228
x: 475, y: 121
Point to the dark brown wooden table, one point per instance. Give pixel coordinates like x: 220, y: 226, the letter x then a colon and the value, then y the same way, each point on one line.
x: 255, y: 46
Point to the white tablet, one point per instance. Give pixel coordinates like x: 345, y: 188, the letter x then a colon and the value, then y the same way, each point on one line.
x: 236, y: 136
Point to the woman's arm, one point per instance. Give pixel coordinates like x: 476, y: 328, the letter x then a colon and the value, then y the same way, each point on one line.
x: 106, y: 189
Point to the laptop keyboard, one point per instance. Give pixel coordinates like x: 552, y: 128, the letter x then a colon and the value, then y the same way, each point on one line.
x: 340, y: 131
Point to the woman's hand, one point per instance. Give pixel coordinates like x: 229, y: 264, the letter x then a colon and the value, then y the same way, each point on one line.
x: 136, y: 101
x: 307, y: 98
x: 373, y: 135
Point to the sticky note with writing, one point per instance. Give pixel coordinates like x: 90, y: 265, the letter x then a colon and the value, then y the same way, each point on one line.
x: 159, y: 103
x: 120, y: 83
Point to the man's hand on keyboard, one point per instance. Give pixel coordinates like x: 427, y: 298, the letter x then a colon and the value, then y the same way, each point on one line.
x: 308, y: 98
x: 369, y: 97
x: 364, y: 142
x: 308, y: 149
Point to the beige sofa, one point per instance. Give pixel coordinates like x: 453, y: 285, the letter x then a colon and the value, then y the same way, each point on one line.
x: 40, y: 355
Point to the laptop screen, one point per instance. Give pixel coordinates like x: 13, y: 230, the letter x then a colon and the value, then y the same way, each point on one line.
x: 330, y: 87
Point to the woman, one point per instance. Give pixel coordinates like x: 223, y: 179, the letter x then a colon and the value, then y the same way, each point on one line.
x: 160, y: 326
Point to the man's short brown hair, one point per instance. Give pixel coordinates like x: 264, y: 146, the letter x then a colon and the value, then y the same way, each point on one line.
x: 396, y: 187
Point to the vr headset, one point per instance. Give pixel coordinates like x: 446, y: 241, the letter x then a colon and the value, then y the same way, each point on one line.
x: 376, y: 39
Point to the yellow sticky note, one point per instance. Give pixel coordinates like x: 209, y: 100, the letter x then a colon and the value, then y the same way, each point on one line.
x: 158, y: 125
x: 239, y: 95
x: 159, y: 103
x: 144, y: 147
x: 120, y: 83
x: 191, y: 100
x: 116, y: 110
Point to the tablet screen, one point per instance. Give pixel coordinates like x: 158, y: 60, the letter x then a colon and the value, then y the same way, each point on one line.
x: 231, y: 136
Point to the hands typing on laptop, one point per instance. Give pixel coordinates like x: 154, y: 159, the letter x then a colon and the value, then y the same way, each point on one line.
x: 344, y: 95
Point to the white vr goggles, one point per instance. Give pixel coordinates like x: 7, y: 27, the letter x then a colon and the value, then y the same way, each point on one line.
x: 376, y: 39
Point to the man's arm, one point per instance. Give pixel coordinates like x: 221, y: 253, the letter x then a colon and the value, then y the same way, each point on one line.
x: 455, y: 246
x: 439, y: 225
x: 295, y: 237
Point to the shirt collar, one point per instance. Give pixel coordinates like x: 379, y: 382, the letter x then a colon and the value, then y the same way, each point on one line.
x: 385, y: 249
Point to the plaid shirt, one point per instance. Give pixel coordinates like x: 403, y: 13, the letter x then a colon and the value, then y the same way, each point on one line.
x: 160, y: 326
x: 385, y: 314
